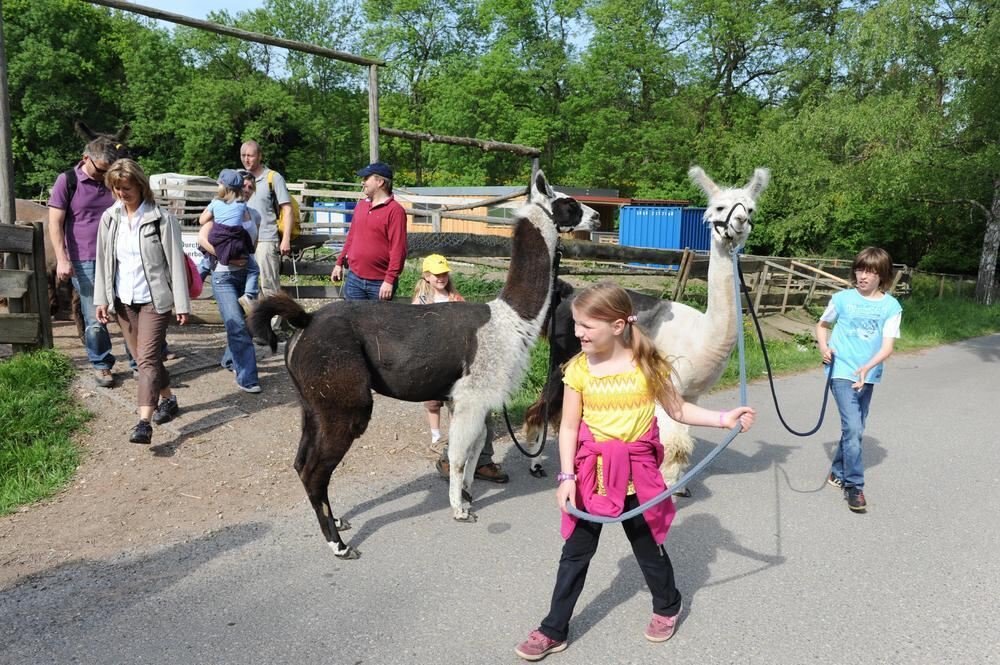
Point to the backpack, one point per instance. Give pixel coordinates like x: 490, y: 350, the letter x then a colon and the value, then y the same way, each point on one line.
x: 195, y: 283
x: 296, y: 215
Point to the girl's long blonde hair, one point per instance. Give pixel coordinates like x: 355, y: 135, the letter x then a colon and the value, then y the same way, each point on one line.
x: 606, y: 301
x: 423, y: 288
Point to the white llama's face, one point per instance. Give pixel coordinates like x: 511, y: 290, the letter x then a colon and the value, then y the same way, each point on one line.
x: 567, y: 213
x: 730, y: 211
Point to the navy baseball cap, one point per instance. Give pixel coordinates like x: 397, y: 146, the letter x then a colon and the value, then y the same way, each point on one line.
x: 230, y: 178
x: 377, y: 168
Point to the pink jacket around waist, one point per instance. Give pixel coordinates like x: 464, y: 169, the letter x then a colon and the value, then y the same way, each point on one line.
x: 637, y: 460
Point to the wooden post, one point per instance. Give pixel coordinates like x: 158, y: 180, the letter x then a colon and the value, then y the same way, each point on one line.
x: 680, y: 274
x: 941, y: 289
x: 788, y: 287
x: 436, y: 222
x: 895, y: 280
x: 762, y: 284
x: 812, y: 289
x: 373, y: 113
x: 6, y: 160
x: 685, y: 274
x: 40, y: 287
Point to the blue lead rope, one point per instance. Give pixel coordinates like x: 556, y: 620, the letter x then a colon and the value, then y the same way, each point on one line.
x: 696, y: 470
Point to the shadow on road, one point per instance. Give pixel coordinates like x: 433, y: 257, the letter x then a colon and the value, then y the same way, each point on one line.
x: 90, y: 592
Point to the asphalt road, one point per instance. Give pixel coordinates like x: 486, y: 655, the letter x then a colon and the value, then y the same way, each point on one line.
x: 773, y: 566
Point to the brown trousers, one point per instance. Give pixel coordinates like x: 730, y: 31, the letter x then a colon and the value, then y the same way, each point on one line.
x: 145, y: 331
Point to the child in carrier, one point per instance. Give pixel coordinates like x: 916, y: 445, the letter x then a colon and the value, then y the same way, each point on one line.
x: 228, y: 212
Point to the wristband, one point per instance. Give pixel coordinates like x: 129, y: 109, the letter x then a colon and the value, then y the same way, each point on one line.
x: 565, y: 476
x: 721, y: 424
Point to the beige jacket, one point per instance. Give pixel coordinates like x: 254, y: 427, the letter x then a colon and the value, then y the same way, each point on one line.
x: 162, y: 254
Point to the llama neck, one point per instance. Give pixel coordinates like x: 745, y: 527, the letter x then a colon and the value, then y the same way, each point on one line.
x: 529, y: 278
x: 720, y: 315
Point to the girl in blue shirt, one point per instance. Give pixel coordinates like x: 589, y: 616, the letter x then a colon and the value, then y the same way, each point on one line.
x: 867, y: 325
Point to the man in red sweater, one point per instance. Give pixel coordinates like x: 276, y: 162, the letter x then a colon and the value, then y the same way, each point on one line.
x: 375, y: 248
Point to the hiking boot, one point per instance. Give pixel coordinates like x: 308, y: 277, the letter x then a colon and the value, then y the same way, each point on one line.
x: 856, y: 499
x: 142, y: 432
x: 538, y: 646
x: 104, y: 378
x: 834, y: 481
x: 166, y: 410
x: 660, y: 628
x: 491, y: 472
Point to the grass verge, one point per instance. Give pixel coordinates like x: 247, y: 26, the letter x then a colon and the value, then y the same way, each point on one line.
x: 37, y: 452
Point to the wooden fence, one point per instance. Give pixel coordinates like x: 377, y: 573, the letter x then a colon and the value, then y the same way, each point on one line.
x: 776, y: 284
x: 27, y: 323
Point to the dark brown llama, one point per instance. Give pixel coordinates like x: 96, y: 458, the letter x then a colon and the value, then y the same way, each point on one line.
x: 472, y: 353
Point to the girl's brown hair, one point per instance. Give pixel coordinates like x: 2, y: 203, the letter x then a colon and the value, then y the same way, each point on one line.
x: 609, y: 302
x: 876, y: 260
x: 127, y: 169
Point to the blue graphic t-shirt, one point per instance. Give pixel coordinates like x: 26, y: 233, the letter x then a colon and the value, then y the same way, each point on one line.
x: 861, y: 324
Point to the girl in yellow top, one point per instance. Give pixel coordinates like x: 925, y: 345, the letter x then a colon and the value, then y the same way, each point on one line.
x: 610, y: 453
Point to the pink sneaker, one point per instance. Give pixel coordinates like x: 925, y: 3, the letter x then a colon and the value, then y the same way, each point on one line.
x: 538, y: 646
x: 661, y: 629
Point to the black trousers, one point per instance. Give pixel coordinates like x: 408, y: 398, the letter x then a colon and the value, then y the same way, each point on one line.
x: 580, y: 548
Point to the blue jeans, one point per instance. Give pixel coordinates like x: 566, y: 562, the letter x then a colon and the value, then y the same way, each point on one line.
x: 239, y: 355
x: 95, y: 334
x: 358, y: 288
x: 252, y: 289
x: 848, y: 464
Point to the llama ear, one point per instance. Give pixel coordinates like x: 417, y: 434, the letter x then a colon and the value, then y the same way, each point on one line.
x: 700, y: 178
x: 123, y: 133
x: 81, y: 128
x: 540, y: 187
x: 759, y: 182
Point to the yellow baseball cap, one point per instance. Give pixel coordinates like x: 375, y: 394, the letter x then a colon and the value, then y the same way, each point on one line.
x: 436, y: 264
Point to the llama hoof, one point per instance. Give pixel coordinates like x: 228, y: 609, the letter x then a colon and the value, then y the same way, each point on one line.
x: 465, y: 515
x: 537, y: 471
x: 342, y: 551
x: 341, y: 524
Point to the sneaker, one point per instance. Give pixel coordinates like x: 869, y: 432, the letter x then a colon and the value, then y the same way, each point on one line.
x: 538, y: 646
x: 491, y: 472
x: 255, y: 388
x: 856, y: 499
x: 142, y: 432
x: 834, y: 481
x: 660, y: 628
x: 104, y: 378
x: 245, y: 303
x: 166, y: 410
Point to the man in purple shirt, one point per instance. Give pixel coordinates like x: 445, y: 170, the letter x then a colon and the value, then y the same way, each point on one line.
x: 74, y: 217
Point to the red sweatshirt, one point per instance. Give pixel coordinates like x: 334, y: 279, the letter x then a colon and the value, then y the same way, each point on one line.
x: 375, y: 247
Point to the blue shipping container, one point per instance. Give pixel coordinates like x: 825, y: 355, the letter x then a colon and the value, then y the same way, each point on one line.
x: 336, y: 213
x: 660, y: 227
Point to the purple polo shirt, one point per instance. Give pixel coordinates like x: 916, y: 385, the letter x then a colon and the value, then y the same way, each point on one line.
x: 83, y: 213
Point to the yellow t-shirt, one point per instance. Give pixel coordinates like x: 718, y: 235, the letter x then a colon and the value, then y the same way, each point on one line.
x: 618, y: 406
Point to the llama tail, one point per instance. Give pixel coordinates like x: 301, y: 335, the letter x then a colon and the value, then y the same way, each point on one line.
x: 280, y: 305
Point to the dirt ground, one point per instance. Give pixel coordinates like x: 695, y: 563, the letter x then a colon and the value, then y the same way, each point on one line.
x: 226, y: 458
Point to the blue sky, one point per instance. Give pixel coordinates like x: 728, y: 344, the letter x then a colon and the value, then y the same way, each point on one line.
x: 200, y: 8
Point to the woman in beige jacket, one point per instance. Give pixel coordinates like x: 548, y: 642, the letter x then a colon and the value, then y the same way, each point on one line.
x: 141, y: 274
